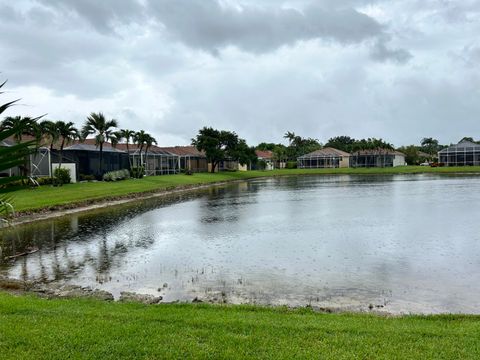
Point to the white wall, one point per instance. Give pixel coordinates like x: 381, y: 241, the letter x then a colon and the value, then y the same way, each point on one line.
x: 399, y: 160
x: 70, y: 166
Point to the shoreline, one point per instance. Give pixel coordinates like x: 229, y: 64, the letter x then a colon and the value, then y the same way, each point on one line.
x: 55, y: 211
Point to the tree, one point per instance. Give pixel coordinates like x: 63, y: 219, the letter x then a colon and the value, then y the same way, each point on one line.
x: 411, y: 154
x: 265, y: 146
x: 128, y: 135
x: 23, y: 126
x: 344, y: 143
x: 102, y: 129
x: 68, y: 132
x: 49, y: 131
x: 430, y: 145
x: 219, y: 145
x: 290, y: 135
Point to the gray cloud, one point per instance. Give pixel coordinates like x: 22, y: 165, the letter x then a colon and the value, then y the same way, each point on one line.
x: 210, y: 25
x: 381, y: 52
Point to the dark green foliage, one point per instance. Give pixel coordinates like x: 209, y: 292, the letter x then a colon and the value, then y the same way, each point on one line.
x: 62, y: 176
x: 266, y: 146
x: 299, y: 146
x: 291, y: 165
x: 348, y: 144
x: 137, y: 172
x: 103, y: 130
x: 220, y: 145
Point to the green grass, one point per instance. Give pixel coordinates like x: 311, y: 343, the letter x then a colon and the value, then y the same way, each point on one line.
x: 47, y: 196
x: 32, y: 328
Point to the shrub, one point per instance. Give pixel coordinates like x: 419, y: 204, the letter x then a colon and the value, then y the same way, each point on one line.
x: 62, y: 176
x: 116, y: 175
x: 45, y: 180
x: 291, y: 165
x: 137, y: 172
x: 188, y: 172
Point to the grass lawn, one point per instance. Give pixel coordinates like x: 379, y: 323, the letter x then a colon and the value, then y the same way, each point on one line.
x: 32, y: 328
x: 48, y: 196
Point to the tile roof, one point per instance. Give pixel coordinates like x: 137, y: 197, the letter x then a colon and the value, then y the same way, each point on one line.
x: 264, y: 154
x: 326, y: 152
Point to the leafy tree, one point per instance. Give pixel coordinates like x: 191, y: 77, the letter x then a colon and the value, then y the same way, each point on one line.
x: 103, y: 131
x: 244, y: 154
x: 344, y: 143
x: 220, y: 145
x: 265, y: 146
x: 299, y: 146
x: 68, y: 133
x: 430, y: 145
x: 412, y: 156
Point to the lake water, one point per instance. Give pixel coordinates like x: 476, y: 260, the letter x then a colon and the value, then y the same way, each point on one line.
x: 400, y: 243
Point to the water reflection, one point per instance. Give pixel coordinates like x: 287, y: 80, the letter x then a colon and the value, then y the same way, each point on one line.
x: 402, y: 243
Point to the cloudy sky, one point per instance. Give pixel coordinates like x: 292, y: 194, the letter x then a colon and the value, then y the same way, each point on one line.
x: 398, y: 69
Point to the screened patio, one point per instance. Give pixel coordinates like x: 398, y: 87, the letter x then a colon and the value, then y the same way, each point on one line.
x: 465, y: 153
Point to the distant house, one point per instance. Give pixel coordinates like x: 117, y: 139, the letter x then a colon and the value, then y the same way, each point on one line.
x: 87, y: 157
x: 266, y: 157
x: 190, y: 158
x: 377, y: 158
x: 465, y: 153
x: 324, y: 158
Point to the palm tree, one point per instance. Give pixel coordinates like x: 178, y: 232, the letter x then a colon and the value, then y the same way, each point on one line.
x: 22, y: 125
x: 139, y: 139
x: 290, y: 135
x: 103, y: 130
x: 149, y: 141
x: 68, y: 132
x: 128, y: 135
x: 49, y: 131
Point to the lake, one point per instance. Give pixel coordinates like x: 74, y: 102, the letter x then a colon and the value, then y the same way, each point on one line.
x: 400, y: 244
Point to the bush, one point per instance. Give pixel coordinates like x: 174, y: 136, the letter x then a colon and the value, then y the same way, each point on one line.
x: 62, y: 176
x: 137, y: 172
x: 116, y: 175
x: 291, y: 165
x: 45, y: 180
x: 188, y: 172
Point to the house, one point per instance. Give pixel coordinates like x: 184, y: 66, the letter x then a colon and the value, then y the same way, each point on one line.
x: 324, y: 158
x: 190, y: 158
x: 465, y: 153
x: 377, y: 158
x: 87, y: 157
x: 265, y: 158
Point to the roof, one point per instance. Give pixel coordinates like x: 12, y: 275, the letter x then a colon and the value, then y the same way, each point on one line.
x: 264, y: 154
x: 325, y: 152
x: 89, y: 147
x: 184, y: 151
x: 379, y: 151
x: 463, y: 145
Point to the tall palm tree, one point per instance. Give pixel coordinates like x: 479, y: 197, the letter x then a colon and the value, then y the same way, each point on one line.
x: 139, y: 139
x: 290, y: 135
x: 49, y: 131
x: 103, y: 130
x: 68, y: 132
x: 128, y: 135
x: 149, y: 141
x: 22, y: 125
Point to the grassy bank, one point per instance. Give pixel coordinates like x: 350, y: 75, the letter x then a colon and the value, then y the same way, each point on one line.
x: 32, y: 328
x: 47, y: 196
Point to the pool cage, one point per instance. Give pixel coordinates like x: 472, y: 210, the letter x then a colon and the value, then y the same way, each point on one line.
x: 373, y: 158
x: 465, y: 153
x: 156, y: 162
x: 324, y: 158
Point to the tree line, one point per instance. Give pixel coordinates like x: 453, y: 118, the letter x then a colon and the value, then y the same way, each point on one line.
x: 62, y: 134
